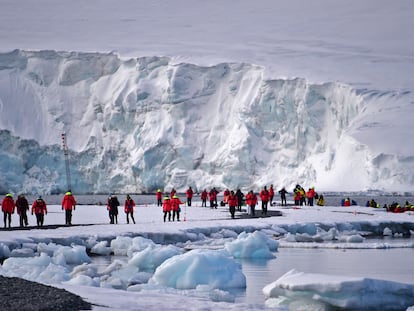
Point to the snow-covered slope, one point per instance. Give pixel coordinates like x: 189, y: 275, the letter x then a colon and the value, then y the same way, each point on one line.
x: 137, y: 124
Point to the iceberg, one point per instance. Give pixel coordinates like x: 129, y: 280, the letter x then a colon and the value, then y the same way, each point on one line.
x: 313, y: 291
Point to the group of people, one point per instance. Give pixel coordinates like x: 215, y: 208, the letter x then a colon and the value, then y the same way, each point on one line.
x: 236, y: 199
x: 38, y: 208
x: 112, y: 207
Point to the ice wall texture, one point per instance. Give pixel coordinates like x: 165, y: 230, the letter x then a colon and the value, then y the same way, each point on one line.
x: 139, y: 124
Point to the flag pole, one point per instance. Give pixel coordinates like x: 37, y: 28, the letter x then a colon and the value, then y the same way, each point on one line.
x: 66, y: 153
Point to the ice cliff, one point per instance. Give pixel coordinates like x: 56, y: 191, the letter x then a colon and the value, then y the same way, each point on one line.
x: 139, y: 124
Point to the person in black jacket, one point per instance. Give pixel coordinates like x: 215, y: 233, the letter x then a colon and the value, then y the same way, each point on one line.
x: 239, y: 196
x: 113, y: 204
x: 283, y: 193
x: 22, y: 208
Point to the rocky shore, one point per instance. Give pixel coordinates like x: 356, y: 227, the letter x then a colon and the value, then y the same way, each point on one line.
x: 19, y: 294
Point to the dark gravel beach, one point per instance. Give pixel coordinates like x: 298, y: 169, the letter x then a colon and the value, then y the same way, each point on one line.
x: 19, y: 294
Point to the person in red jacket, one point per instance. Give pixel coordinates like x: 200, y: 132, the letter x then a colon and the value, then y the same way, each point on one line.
x: 68, y: 203
x: 232, y: 201
x: 213, y: 198
x: 39, y: 209
x: 129, y: 208
x: 204, y: 198
x: 251, y: 201
x: 310, y: 194
x: 264, y: 196
x: 189, y: 193
x: 175, y: 206
x: 158, y: 195
x: 7, y: 206
x: 166, y: 208
x: 22, y: 207
x: 271, y: 194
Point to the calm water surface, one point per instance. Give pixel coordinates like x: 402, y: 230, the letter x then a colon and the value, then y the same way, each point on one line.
x: 386, y: 264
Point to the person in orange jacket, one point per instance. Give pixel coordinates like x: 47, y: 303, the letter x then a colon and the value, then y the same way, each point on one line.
x: 158, y: 195
x: 68, y: 203
x: 251, y: 201
x: 271, y: 194
x: 264, y: 196
x: 39, y: 209
x: 189, y: 193
x: 232, y: 201
x: 310, y: 194
x: 175, y: 206
x: 129, y: 208
x: 7, y: 206
x: 203, y: 197
x: 166, y: 208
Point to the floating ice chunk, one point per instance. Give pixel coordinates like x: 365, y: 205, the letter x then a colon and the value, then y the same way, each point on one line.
x: 220, y: 295
x: 101, y: 248
x: 120, y: 245
x: 200, y: 267
x: 83, y: 280
x: 311, y: 291
x: 49, y: 248
x: 139, y: 244
x: 39, y: 269
x: 115, y: 265
x: 85, y: 269
x: 354, y: 238
x: 387, y: 232
x: 75, y: 254
x: 123, y: 277
x: 329, y: 235
x: 303, y: 237
x: 22, y: 252
x: 252, y: 245
x: 153, y: 256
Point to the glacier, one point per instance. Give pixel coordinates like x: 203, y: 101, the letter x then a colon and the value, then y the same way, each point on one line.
x: 138, y: 124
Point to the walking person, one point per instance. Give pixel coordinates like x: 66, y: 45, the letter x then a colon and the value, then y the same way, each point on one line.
x: 251, y: 201
x: 166, y: 208
x: 264, y: 196
x: 175, y: 206
x: 232, y: 202
x: 283, y: 193
x: 158, y: 195
x: 204, y: 198
x: 39, y: 209
x: 189, y: 193
x: 68, y: 203
x: 22, y: 207
x: 271, y: 194
x: 239, y: 196
x: 113, y: 204
x: 129, y: 208
x: 7, y: 206
x: 213, y: 198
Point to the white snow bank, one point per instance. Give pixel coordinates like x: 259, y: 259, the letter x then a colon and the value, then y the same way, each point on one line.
x: 320, y: 292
